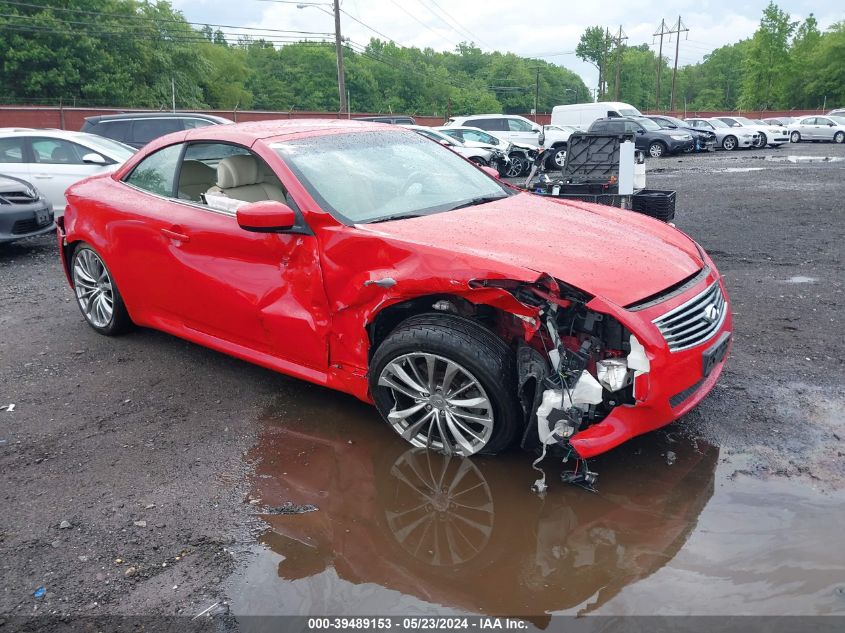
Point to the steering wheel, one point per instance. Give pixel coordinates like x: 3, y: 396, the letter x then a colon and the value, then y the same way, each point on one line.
x: 413, y: 178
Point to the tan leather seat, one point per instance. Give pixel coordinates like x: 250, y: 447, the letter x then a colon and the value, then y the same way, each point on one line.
x: 195, y: 178
x: 241, y: 178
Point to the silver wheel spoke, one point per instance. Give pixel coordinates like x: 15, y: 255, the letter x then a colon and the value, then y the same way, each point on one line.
x: 426, y: 409
x: 94, y: 289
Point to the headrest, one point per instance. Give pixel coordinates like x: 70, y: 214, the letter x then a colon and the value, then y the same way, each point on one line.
x: 237, y: 171
x: 60, y: 155
x: 195, y: 172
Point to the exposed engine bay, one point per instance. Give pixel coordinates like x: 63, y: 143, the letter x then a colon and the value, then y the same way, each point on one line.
x: 574, y: 366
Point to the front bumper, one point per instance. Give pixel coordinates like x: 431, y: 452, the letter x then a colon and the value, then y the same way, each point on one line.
x: 675, y: 383
x: 676, y: 147
x: 25, y: 220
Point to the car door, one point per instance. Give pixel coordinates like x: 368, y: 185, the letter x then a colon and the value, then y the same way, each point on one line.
x: 806, y: 128
x: 824, y: 129
x: 56, y: 164
x: 521, y: 132
x: 260, y: 291
x: 13, y: 157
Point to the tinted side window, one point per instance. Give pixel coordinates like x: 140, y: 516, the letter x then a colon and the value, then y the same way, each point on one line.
x: 600, y: 126
x: 518, y: 125
x: 157, y: 171
x: 117, y: 130
x: 631, y: 127
x: 11, y: 150
x: 491, y: 125
x: 190, y: 124
x: 145, y: 130
x: 54, y: 151
x: 823, y: 121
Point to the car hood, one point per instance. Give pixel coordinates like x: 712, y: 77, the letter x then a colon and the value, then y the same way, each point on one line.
x: 622, y: 256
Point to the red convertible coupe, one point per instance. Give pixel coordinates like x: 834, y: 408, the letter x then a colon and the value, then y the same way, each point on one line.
x: 369, y: 259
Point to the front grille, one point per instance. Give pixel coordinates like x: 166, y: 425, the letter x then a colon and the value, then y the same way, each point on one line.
x: 695, y: 321
x: 24, y: 226
x: 17, y: 197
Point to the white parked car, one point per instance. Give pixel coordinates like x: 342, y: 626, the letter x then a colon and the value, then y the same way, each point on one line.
x: 818, y: 128
x: 479, y: 155
x: 53, y: 160
x: 772, y: 135
x: 728, y: 138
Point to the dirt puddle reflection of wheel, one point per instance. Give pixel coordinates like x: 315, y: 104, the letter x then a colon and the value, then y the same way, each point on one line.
x: 441, y: 508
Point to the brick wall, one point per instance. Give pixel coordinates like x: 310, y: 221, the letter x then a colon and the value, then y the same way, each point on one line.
x: 73, y: 118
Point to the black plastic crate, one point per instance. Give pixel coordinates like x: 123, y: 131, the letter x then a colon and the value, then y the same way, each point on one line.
x: 609, y: 199
x: 593, y: 158
x: 657, y: 203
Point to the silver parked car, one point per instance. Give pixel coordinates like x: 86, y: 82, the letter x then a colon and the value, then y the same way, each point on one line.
x: 727, y: 138
x: 818, y: 128
x: 24, y: 212
x: 520, y: 161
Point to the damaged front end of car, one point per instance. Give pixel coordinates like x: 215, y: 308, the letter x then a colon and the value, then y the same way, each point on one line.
x: 575, y: 366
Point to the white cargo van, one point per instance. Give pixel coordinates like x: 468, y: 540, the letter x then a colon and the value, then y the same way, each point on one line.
x: 582, y: 115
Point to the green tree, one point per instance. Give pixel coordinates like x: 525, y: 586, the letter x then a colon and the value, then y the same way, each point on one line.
x: 594, y: 48
x: 767, y: 61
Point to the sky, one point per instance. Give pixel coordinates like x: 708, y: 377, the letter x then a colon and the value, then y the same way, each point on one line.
x: 546, y: 29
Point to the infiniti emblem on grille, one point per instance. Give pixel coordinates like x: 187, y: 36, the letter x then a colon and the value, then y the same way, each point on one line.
x: 711, y: 313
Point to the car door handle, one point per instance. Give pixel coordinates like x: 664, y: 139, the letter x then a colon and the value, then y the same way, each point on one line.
x: 175, y: 235
x: 43, y: 176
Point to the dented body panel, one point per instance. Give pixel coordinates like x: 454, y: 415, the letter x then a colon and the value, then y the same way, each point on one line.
x: 309, y: 305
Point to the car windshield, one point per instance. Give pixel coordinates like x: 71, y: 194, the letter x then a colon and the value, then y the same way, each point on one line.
x: 744, y: 121
x: 629, y: 112
x: 377, y: 176
x: 648, y: 124
x: 839, y: 120
x: 717, y: 123
x: 114, y: 149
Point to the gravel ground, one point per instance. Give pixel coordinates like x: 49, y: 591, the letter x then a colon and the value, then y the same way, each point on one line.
x: 137, y: 443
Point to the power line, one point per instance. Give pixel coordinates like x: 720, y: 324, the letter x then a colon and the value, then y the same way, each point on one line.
x: 423, y: 24
x: 446, y: 16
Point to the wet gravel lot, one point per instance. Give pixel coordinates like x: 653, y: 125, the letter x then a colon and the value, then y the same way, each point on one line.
x: 146, y: 475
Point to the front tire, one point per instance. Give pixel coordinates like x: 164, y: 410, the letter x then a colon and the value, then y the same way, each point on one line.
x: 839, y: 137
x: 557, y: 160
x: 97, y: 295
x: 795, y: 137
x: 763, y: 140
x: 729, y: 143
x: 657, y: 150
x: 447, y: 383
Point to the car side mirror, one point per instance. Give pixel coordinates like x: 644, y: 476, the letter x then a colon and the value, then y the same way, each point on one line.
x: 490, y: 171
x: 93, y: 159
x: 641, y: 131
x: 830, y: 125
x: 266, y: 216
x: 671, y: 126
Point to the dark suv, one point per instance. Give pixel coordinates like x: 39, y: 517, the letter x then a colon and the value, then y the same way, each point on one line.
x: 139, y: 128
x: 649, y: 137
x: 705, y: 140
x: 398, y: 119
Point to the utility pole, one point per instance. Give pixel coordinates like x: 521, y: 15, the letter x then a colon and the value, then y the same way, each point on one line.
x: 173, y: 94
x: 661, y: 33
x: 536, y: 94
x: 680, y: 28
x: 341, y: 73
x: 621, y: 36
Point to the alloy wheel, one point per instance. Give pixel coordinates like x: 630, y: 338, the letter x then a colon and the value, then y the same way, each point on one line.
x: 560, y: 158
x: 93, y: 286
x: 763, y: 141
x: 729, y: 143
x: 438, y: 404
x: 795, y: 137
x: 655, y: 150
x: 839, y: 137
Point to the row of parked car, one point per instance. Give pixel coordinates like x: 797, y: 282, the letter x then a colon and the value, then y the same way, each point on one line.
x: 38, y: 165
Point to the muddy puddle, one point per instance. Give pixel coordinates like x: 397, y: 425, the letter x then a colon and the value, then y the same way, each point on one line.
x: 403, y: 531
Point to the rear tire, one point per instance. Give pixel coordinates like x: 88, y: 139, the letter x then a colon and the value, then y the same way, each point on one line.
x: 795, y: 137
x: 97, y: 294
x: 411, y: 385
